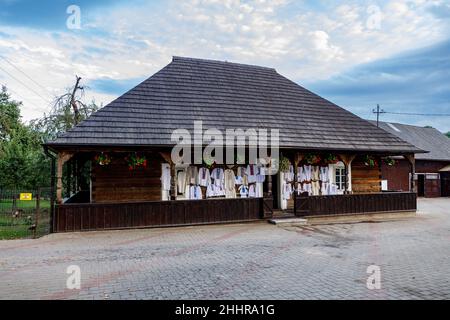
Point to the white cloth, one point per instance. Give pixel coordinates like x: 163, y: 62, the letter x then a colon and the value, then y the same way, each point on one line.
x: 192, y: 175
x: 218, y: 176
x: 287, y: 191
x: 315, y: 174
x: 243, y: 191
x: 165, y: 177
x: 324, y: 174
x: 315, y: 185
x: 290, y: 175
x: 300, y: 174
x: 259, y: 189
x: 251, y: 191
x: 251, y: 171
x: 261, y: 175
x: 195, y: 193
x: 204, y: 177
x: 230, y: 180
x: 332, y: 189
x: 307, y: 173
x: 306, y: 187
x: 181, y: 181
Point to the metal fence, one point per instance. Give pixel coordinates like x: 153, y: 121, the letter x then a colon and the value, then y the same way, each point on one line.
x: 24, y: 213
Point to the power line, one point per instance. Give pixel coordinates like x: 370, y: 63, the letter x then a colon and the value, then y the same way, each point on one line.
x: 26, y: 86
x: 421, y: 114
x: 28, y: 101
x: 26, y: 75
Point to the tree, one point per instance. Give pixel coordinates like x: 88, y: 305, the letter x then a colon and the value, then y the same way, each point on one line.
x: 9, y: 115
x: 68, y: 110
x: 23, y: 164
x: 448, y: 134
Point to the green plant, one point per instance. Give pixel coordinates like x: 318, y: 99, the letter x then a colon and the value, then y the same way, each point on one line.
x: 103, y: 159
x: 136, y: 160
x: 284, y: 164
x: 370, y: 161
x: 389, y: 161
x: 311, y: 158
x: 330, y: 159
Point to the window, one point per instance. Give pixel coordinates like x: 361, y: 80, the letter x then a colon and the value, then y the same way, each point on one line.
x: 340, y: 178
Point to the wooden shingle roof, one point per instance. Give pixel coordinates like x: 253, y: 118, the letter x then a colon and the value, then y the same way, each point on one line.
x: 227, y: 96
x: 428, y: 139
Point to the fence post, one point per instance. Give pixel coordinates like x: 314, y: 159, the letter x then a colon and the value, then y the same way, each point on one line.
x: 38, y: 206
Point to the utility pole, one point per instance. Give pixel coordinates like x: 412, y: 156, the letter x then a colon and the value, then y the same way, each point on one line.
x: 378, y: 111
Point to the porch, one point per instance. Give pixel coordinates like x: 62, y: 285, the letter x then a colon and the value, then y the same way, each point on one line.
x: 111, y: 196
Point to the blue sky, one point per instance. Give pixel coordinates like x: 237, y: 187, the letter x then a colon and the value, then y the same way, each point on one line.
x: 354, y: 53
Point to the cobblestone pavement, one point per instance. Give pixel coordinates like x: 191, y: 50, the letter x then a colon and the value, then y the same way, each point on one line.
x: 244, y: 261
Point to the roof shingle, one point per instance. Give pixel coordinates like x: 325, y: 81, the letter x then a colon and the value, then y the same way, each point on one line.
x: 227, y: 96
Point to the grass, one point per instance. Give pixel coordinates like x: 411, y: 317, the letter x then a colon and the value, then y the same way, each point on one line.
x: 18, y: 227
x: 7, y: 204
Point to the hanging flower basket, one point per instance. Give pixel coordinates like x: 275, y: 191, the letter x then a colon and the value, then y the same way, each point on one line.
x: 311, y: 158
x: 284, y: 164
x: 208, y: 162
x: 135, y: 160
x: 330, y: 159
x: 389, y: 161
x: 370, y: 161
x: 102, y: 159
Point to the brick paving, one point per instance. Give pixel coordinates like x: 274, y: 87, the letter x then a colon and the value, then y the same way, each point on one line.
x: 243, y: 261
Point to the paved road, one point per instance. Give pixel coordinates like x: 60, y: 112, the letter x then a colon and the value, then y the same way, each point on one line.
x: 245, y: 261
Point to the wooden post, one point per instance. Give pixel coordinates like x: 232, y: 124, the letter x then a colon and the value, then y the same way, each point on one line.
x: 347, y: 160
x: 412, y: 162
x: 63, y: 157
x: 38, y: 206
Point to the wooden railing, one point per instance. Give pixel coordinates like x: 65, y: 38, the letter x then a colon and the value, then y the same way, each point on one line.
x: 355, y: 203
x: 105, y: 216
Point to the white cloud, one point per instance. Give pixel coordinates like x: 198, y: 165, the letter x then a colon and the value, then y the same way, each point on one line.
x: 135, y: 41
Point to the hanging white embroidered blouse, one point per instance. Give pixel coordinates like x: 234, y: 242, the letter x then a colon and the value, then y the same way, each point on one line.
x: 324, y: 174
x: 204, y: 177
x: 251, y: 171
x: 218, y: 176
x: 307, y: 172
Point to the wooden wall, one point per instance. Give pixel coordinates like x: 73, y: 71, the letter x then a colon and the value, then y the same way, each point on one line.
x: 116, y: 183
x: 397, y: 175
x: 365, y: 179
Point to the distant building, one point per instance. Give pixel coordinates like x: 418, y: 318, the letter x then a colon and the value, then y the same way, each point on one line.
x: 432, y: 176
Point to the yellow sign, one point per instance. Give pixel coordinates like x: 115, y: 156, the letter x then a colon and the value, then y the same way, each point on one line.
x: 26, y: 196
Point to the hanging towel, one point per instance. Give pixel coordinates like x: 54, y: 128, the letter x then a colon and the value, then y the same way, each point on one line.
x: 165, y: 177
x: 181, y: 181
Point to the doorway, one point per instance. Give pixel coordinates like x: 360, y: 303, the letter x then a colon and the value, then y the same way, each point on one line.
x: 445, y: 184
x: 421, y: 185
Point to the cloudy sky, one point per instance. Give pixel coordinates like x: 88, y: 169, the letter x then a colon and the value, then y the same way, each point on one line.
x: 354, y: 53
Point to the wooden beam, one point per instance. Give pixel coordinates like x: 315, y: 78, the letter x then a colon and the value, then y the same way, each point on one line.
x: 347, y: 159
x: 63, y: 157
x: 412, y: 162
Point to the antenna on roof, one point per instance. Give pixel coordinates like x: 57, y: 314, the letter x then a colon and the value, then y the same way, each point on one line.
x: 378, y: 111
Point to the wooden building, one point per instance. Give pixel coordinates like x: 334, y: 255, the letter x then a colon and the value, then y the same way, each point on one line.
x: 114, y: 170
x: 432, y: 178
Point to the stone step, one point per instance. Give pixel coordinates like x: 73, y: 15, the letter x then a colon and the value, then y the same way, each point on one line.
x: 289, y: 222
